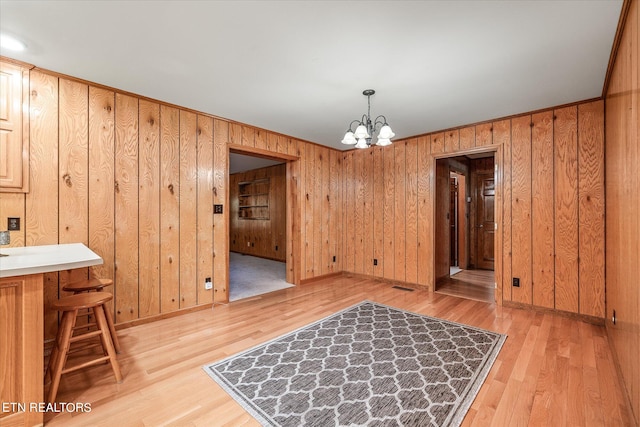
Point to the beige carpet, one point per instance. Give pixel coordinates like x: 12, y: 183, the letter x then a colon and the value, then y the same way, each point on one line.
x: 250, y: 276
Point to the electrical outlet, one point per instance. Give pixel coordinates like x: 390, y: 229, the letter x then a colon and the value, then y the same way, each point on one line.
x: 334, y: 258
x: 207, y: 284
x: 613, y: 317
x: 248, y: 244
x: 276, y: 247
x: 516, y: 282
x: 13, y: 224
x: 375, y: 261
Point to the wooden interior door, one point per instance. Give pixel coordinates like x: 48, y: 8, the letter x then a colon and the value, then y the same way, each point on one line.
x: 453, y: 224
x: 485, y: 220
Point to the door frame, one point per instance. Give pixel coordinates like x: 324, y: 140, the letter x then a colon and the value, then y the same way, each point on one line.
x: 499, y: 211
x: 293, y: 206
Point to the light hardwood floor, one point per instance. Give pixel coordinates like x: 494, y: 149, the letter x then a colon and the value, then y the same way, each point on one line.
x: 552, y: 370
x: 473, y: 284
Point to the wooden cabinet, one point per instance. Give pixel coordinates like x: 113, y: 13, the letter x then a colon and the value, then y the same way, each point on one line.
x: 14, y: 128
x: 253, y: 199
x: 21, y: 349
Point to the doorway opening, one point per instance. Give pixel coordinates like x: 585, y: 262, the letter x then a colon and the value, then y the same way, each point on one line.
x: 258, y: 237
x: 465, y: 226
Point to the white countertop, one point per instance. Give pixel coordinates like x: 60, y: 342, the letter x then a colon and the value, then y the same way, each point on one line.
x: 22, y: 261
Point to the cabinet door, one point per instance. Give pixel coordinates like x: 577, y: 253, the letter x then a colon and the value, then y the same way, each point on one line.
x: 14, y: 152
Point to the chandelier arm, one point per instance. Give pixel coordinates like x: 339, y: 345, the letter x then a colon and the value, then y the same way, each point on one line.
x: 351, y: 125
x: 384, y: 122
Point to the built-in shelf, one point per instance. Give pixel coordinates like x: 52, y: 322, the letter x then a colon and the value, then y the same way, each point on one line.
x: 253, y: 199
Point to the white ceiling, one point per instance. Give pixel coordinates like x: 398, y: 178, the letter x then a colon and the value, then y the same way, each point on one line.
x: 299, y: 67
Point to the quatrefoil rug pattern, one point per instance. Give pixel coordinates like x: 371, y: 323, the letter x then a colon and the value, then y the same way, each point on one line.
x: 370, y: 364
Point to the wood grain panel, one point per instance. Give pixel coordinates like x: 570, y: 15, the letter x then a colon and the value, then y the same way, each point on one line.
x: 622, y: 203
x: 411, y: 196
x: 318, y: 212
x: 279, y: 200
x: 41, y: 220
x: 294, y: 148
x: 349, y: 207
x: 358, y: 211
x: 126, y: 207
x: 400, y: 272
x: 452, y: 141
x: 72, y: 169
x: 484, y: 134
x: 248, y: 136
x: 283, y: 144
x: 149, y: 181
x: 521, y: 208
x: 101, y: 180
x: 566, y: 208
x: 169, y: 209
x: 619, y: 186
x: 272, y: 142
x: 336, y: 203
x: 591, y: 208
x: 325, y: 206
x: 309, y: 211
x: 220, y: 225
x: 502, y: 136
x: 294, y: 215
x: 73, y: 162
x: 389, y: 212
x: 366, y: 178
x: 437, y: 143
x: 467, y: 137
x: 298, y: 147
x: 205, y: 248
x: 425, y: 213
x: 260, y: 138
x: 542, y: 209
x: 378, y: 209
x: 188, y: 211
x: 235, y: 133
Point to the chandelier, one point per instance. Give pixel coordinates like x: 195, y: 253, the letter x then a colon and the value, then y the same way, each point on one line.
x: 366, y: 128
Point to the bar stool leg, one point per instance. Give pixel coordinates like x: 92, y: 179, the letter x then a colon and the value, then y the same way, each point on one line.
x: 112, y: 329
x: 98, y: 311
x: 56, y: 365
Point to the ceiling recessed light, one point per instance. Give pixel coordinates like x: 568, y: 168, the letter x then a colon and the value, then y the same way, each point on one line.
x: 8, y: 42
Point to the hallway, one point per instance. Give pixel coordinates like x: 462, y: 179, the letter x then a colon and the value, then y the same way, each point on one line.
x: 477, y: 285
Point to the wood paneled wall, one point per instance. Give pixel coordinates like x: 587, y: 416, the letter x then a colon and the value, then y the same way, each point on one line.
x: 260, y: 237
x: 623, y: 205
x: 136, y: 181
x: 550, y: 207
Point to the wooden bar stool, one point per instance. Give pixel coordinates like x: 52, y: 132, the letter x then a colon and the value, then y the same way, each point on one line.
x: 96, y: 285
x: 69, y: 306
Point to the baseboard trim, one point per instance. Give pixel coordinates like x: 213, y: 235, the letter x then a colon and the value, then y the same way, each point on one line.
x: 149, y: 319
x: 321, y: 277
x: 582, y: 317
x: 388, y: 281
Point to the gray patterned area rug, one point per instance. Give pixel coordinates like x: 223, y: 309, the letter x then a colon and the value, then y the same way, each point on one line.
x: 370, y: 364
